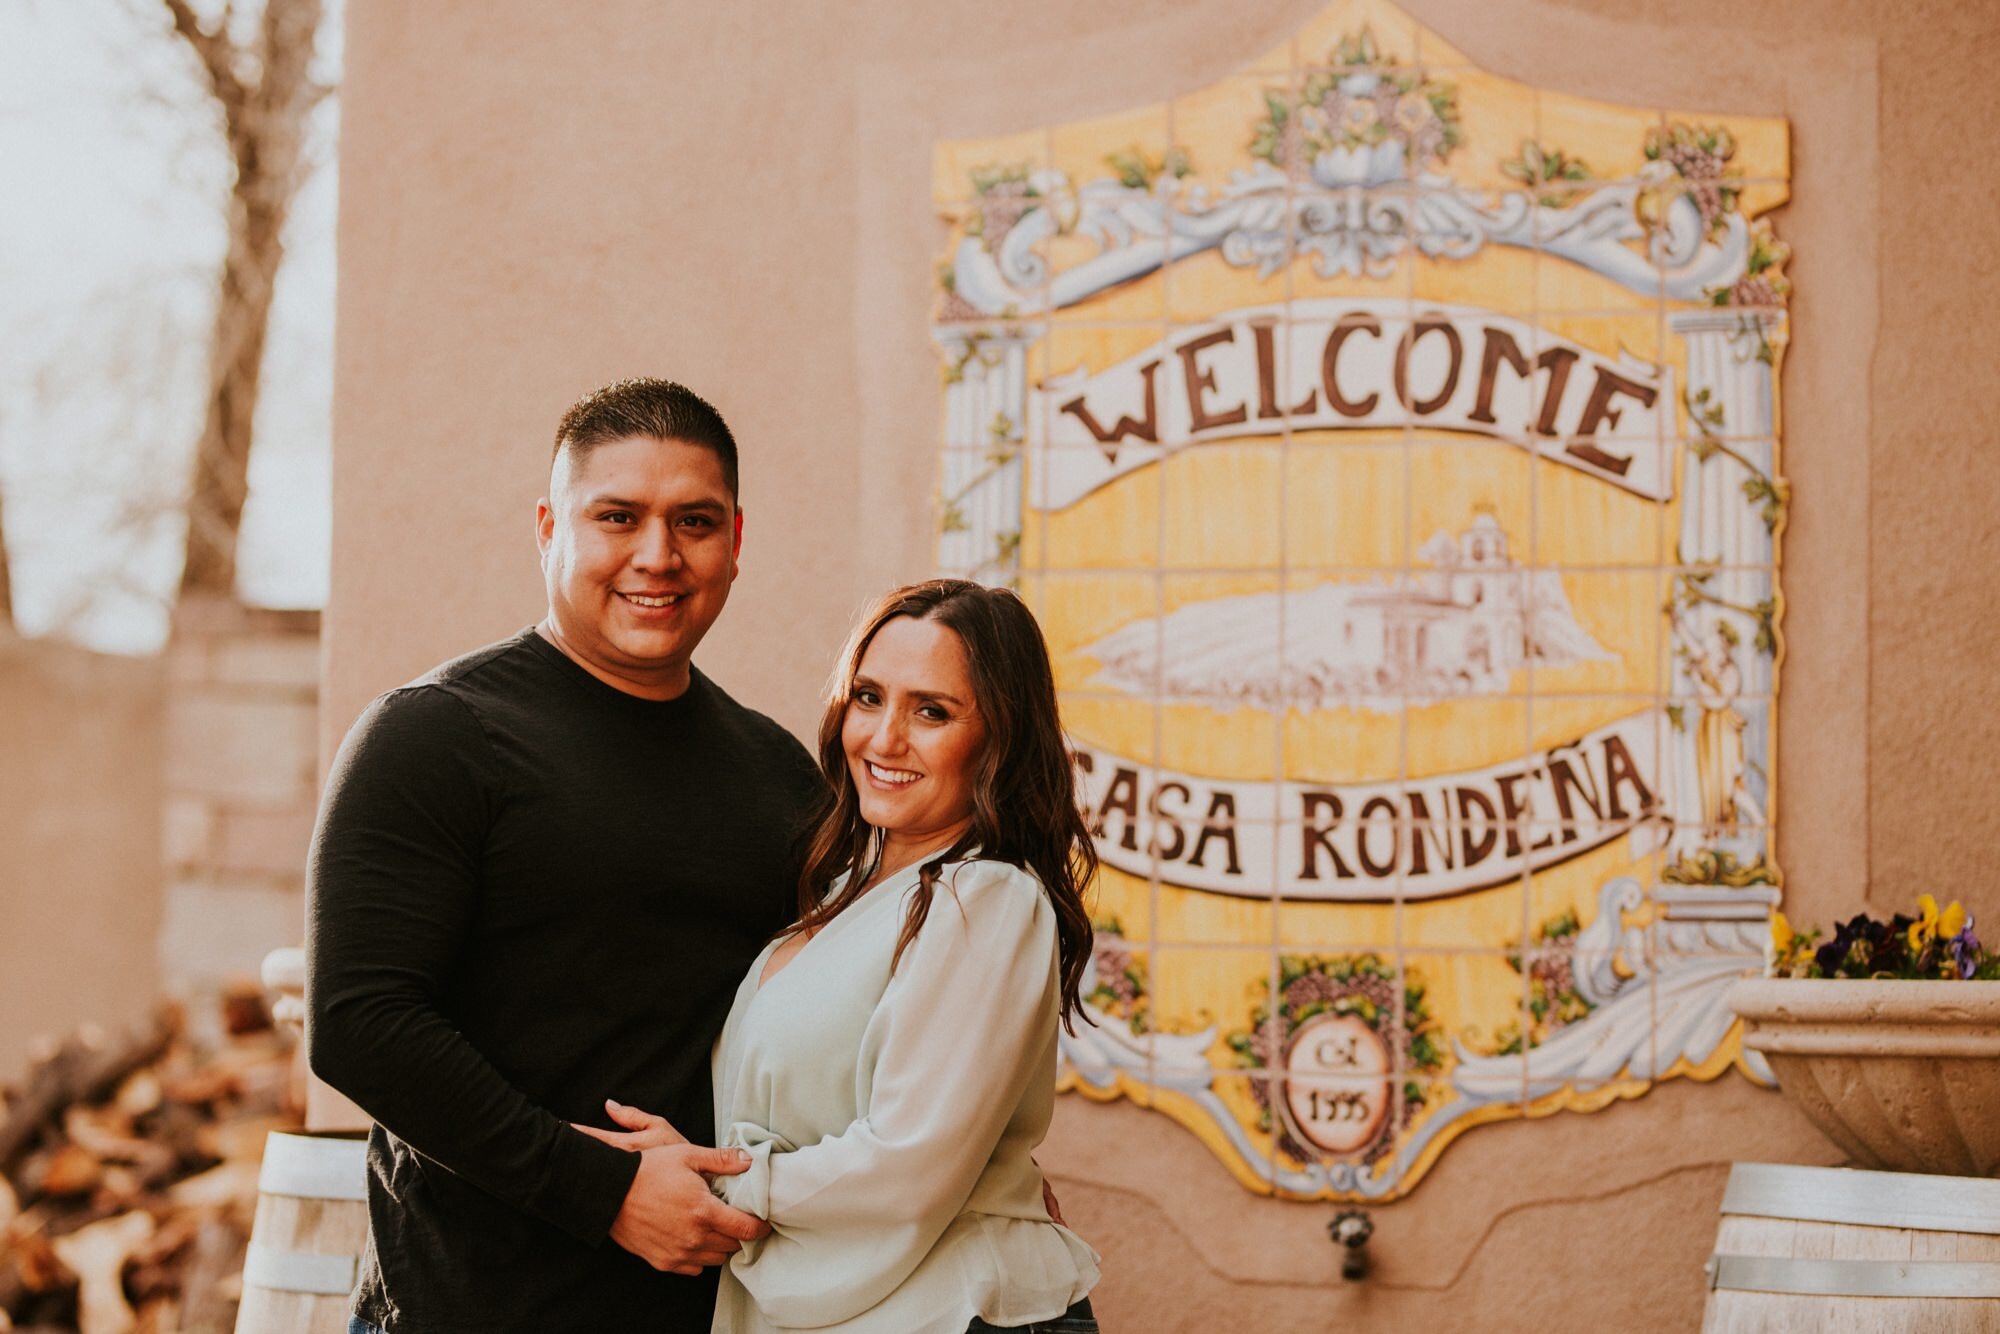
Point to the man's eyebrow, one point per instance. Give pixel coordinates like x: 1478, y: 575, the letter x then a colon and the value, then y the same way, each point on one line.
x: 620, y: 502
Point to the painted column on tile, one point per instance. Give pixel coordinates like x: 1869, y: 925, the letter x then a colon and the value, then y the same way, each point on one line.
x: 1391, y: 453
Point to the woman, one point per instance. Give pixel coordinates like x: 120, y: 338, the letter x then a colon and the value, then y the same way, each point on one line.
x: 890, y: 1060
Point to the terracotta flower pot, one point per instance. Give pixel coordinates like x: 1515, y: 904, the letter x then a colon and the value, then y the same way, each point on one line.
x: 1903, y: 1076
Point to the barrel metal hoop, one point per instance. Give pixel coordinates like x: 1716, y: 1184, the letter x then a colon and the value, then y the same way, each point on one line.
x: 1853, y: 1278
x: 1865, y: 1199
x: 314, y: 1167
x: 298, y: 1271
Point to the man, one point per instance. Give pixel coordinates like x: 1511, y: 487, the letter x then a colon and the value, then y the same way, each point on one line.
x: 540, y: 872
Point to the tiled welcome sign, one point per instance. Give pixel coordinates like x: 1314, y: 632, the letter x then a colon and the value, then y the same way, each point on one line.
x: 1390, y: 452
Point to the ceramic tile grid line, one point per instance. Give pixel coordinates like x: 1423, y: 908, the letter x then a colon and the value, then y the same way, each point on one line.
x: 1524, y: 1016
x: 1534, y: 692
x: 1113, y: 694
x: 1665, y: 422
x: 1267, y: 1170
x: 1376, y: 571
x: 1537, y: 389
x: 1153, y: 878
x: 1400, y: 992
x: 1275, y: 1091
x: 1279, y: 713
x: 1398, y: 951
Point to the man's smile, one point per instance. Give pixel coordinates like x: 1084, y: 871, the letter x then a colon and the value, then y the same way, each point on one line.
x: 646, y: 600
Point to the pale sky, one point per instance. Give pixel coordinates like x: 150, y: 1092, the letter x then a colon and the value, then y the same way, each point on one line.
x: 111, y: 189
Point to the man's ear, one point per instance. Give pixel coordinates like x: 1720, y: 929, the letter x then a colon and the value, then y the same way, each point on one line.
x: 545, y: 525
x: 736, y: 548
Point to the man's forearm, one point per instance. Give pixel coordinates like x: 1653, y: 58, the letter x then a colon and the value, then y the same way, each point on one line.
x: 410, y: 1069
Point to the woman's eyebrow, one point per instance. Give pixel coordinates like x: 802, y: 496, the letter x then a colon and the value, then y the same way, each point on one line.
x: 938, y: 695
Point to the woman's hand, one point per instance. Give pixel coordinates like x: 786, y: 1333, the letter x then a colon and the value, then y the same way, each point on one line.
x: 643, y: 1130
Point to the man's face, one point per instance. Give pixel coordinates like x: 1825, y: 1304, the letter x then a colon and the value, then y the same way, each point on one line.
x: 639, y: 542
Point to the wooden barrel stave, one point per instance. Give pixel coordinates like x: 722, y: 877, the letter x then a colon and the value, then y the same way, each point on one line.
x: 1940, y: 1233
x: 311, y: 1225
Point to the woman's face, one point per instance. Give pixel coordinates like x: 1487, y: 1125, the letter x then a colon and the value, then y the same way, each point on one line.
x: 913, y: 734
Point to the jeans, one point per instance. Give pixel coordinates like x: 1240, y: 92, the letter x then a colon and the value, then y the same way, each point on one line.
x: 356, y: 1325
x: 1077, y: 1320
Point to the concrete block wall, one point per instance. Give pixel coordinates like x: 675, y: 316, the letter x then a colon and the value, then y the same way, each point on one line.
x: 240, y: 780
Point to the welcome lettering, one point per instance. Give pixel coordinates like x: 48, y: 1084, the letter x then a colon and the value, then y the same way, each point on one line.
x: 1334, y: 365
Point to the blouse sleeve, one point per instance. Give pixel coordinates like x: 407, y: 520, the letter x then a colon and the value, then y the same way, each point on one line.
x: 947, y: 1056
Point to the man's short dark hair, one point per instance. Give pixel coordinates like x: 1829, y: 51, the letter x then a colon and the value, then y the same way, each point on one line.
x: 659, y: 409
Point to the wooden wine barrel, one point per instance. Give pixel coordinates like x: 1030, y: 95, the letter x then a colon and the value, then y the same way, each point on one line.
x: 1829, y: 1248
x: 312, y: 1220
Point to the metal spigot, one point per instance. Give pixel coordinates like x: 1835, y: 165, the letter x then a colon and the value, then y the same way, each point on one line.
x: 1351, y: 1229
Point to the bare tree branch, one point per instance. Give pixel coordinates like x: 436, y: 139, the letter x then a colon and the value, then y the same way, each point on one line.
x: 244, y: 76
x: 6, y: 576
x: 265, y: 122
x: 214, y: 49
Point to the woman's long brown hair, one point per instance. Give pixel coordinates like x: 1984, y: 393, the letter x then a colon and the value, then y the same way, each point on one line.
x: 1024, y: 805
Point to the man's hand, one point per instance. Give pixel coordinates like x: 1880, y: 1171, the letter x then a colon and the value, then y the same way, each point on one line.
x: 671, y: 1221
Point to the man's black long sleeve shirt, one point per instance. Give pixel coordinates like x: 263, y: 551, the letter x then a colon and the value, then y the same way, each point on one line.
x: 529, y: 892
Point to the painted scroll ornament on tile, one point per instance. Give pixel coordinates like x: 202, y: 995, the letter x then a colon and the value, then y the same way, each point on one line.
x: 1389, y: 452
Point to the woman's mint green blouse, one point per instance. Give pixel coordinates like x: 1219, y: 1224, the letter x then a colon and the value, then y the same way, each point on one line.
x: 890, y: 1118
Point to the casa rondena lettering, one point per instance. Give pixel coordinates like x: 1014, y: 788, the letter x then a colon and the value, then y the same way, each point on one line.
x: 1389, y: 450
x: 1415, y: 840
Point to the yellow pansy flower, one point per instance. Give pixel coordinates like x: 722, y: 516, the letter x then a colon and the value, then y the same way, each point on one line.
x: 1781, y: 934
x: 1926, y: 924
x: 1952, y: 920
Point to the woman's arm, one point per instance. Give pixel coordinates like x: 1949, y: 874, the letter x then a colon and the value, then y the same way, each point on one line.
x: 959, y: 1034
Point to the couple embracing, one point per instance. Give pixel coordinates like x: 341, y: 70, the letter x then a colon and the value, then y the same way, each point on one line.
x: 666, y: 1024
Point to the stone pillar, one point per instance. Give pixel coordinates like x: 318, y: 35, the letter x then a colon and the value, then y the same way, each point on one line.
x: 1721, y: 524
x: 986, y: 409
x: 1726, y: 548
x: 241, y: 779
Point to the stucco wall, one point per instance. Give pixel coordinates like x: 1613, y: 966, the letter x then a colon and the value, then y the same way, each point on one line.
x: 80, y: 758
x: 154, y: 817
x: 738, y: 196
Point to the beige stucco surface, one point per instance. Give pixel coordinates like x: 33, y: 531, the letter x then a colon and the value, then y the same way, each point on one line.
x: 535, y: 201
x: 80, y: 796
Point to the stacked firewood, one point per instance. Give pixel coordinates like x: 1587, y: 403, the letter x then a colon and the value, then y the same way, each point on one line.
x: 128, y: 1173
